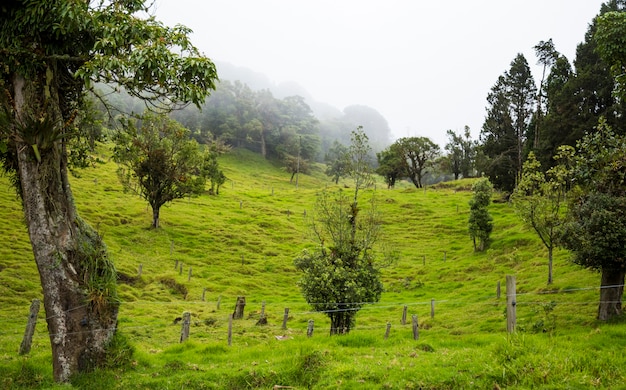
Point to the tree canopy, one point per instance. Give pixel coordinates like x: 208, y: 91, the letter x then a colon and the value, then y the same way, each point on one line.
x: 159, y: 161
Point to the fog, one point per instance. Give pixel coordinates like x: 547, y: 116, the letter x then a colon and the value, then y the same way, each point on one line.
x: 426, y: 66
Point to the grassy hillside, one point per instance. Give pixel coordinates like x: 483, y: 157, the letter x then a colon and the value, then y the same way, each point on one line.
x: 243, y: 242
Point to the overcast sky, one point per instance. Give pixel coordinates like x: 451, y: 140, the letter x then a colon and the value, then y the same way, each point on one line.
x: 426, y: 66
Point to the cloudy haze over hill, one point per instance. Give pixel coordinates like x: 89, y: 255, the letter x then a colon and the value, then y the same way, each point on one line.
x: 425, y: 66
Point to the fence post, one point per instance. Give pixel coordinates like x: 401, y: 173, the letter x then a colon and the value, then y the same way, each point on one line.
x: 309, y: 329
x: 432, y: 308
x: 30, y: 328
x: 285, y: 318
x: 403, y: 322
x: 239, y: 306
x: 180, y: 269
x: 140, y: 270
x: 203, y: 293
x: 219, y: 300
x: 176, y: 265
x: 424, y: 260
x: 511, y: 312
x: 262, y: 319
x: 498, y: 290
x: 184, y: 332
x: 387, y: 330
x: 416, y: 332
x: 230, y: 329
x: 189, y: 277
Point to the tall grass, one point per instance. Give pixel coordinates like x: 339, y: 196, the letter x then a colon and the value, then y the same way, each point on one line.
x: 243, y: 242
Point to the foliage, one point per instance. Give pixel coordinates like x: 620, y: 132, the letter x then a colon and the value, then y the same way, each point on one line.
x: 462, y: 153
x: 505, y: 130
x: 159, y: 162
x: 480, y: 221
x: 546, y: 56
x: 391, y: 165
x: 611, y: 45
x: 418, y: 154
x: 596, y: 227
x: 539, y: 199
x: 337, y: 161
x: 342, y: 275
x: 211, y: 170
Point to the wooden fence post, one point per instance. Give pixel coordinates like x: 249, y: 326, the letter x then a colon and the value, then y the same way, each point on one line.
x: 189, y: 277
x: 309, y: 329
x: 230, y: 329
x: 241, y: 303
x: 262, y: 319
x: 387, y: 330
x: 424, y: 260
x: 203, y: 293
x: 511, y: 312
x: 219, y: 300
x: 176, y: 265
x: 416, y: 332
x: 30, y: 328
x: 180, y: 269
x: 184, y: 332
x: 285, y: 318
x: 498, y: 290
x: 432, y: 308
x: 403, y: 321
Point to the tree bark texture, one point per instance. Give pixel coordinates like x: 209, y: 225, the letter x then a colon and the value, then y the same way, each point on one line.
x: 70, y: 255
x: 611, y: 291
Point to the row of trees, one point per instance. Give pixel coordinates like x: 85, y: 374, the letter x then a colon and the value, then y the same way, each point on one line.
x: 561, y: 154
x: 567, y: 102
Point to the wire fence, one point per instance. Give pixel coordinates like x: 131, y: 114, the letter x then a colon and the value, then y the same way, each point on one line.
x: 209, y: 320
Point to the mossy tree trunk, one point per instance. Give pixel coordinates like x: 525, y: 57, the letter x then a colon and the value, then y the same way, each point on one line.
x: 77, y: 278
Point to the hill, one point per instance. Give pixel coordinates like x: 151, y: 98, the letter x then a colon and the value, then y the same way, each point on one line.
x: 212, y: 249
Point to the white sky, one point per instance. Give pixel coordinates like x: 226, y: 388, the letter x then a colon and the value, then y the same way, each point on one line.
x: 426, y: 66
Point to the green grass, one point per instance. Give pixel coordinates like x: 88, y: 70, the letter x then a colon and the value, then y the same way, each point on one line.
x: 259, y: 217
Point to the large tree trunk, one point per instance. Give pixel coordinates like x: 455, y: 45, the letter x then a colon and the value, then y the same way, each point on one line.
x: 81, y: 309
x: 611, y: 290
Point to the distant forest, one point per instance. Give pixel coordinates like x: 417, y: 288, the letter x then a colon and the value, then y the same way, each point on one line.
x: 522, y: 115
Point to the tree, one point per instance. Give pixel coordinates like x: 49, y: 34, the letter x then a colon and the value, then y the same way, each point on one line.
x: 480, y: 221
x: 498, y: 139
x: 507, y: 124
x: 337, y: 161
x: 539, y: 199
x: 391, y: 164
x: 211, y: 170
x: 342, y: 273
x: 546, y: 56
x: 461, y: 153
x: 418, y: 154
x: 52, y: 52
x: 611, y: 44
x: 595, y: 230
x: 560, y: 115
x: 158, y: 161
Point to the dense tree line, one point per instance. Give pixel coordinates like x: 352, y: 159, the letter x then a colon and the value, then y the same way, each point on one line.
x: 567, y: 103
